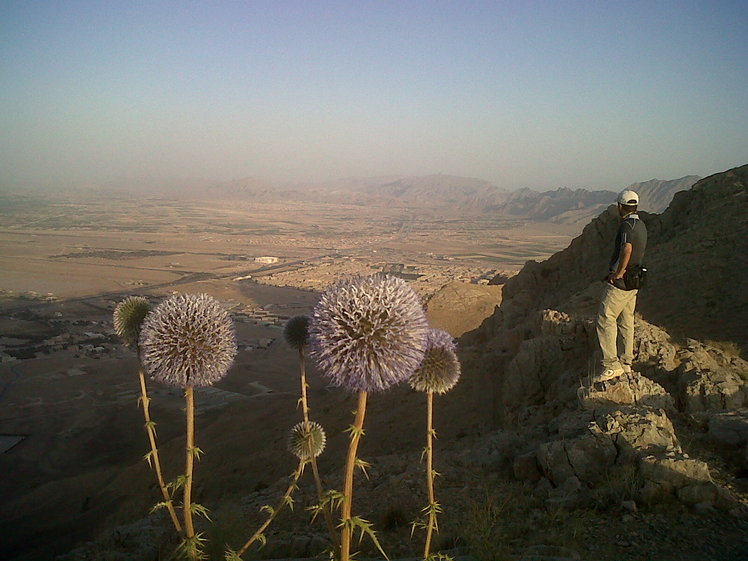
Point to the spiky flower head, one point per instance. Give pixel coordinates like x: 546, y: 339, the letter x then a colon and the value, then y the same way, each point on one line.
x: 307, y: 443
x: 296, y: 331
x: 128, y: 318
x: 188, y: 340
x: 368, y: 333
x: 440, y: 368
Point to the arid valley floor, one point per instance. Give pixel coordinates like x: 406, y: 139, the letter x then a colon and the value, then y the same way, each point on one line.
x: 70, y: 426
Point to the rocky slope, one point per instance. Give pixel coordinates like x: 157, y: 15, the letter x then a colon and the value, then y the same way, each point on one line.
x: 655, y: 195
x: 675, y: 430
x: 562, y: 205
x: 695, y: 256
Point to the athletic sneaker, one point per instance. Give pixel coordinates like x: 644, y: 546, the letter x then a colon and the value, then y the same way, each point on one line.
x: 627, y: 369
x: 608, y: 374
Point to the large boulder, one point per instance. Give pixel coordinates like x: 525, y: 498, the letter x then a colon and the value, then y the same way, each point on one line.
x: 629, y: 389
x: 710, y: 379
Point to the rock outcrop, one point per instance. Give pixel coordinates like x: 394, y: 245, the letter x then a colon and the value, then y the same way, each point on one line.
x: 543, y: 352
x: 459, y: 307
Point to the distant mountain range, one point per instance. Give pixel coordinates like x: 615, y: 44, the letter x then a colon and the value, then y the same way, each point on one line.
x: 460, y: 194
x: 442, y: 194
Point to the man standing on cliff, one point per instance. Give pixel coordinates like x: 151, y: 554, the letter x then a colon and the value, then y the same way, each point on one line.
x: 615, y: 320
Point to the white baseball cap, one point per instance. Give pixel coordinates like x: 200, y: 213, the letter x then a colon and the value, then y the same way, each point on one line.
x: 627, y: 197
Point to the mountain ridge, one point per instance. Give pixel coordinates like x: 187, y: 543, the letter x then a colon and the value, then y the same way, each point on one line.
x: 463, y: 194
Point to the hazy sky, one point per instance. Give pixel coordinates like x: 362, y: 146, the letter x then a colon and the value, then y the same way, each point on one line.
x: 534, y: 94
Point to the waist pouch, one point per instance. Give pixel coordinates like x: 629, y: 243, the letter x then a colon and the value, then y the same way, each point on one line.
x: 635, y: 277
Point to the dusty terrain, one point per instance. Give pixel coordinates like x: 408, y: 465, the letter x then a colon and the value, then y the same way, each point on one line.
x: 72, y: 432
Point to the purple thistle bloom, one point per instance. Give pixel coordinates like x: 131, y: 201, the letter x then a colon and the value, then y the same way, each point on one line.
x: 440, y: 368
x: 368, y: 333
x: 128, y: 318
x: 296, y: 331
x: 188, y: 340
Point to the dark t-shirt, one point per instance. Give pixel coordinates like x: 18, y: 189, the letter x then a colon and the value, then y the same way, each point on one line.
x: 632, y: 230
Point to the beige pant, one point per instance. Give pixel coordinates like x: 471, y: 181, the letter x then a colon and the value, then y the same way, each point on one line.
x: 615, y: 326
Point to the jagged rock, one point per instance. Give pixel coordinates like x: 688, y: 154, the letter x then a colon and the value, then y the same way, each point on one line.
x: 637, y: 430
x: 568, y: 495
x: 573, y: 423
x: 653, y: 348
x: 528, y: 374
x: 635, y: 436
x: 629, y: 389
x: 707, y: 494
x: 585, y: 457
x: 707, y: 383
x: 687, y: 478
x: 676, y: 469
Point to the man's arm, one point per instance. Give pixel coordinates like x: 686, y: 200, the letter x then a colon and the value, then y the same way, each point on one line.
x: 623, y: 262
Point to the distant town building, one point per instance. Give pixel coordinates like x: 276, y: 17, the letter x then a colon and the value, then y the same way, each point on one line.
x: 268, y: 260
x: 393, y: 268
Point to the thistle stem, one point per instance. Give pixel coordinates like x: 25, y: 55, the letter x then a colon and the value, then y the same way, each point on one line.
x: 345, y: 534
x: 317, y: 480
x: 430, y: 472
x: 189, y: 462
x: 286, y: 496
x: 304, y: 401
x: 154, y: 453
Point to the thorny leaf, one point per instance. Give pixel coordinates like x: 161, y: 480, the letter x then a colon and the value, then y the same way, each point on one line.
x: 433, y: 508
x: 288, y: 501
x: 147, y: 458
x: 159, y: 506
x: 362, y: 464
x: 439, y: 557
x: 200, y: 510
x: 364, y: 527
x: 231, y: 555
x: 197, y: 452
x: 353, y: 430
x: 192, y: 548
x: 178, y: 482
x: 332, y: 500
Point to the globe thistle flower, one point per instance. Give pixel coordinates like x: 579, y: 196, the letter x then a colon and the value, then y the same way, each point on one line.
x: 128, y: 318
x: 368, y: 333
x: 305, y: 443
x: 296, y: 331
x: 188, y: 340
x: 440, y: 368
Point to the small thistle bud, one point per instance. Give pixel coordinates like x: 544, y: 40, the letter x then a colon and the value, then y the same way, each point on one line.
x: 188, y: 340
x: 368, y: 333
x: 307, y: 444
x: 296, y: 331
x: 128, y: 318
x: 440, y: 368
